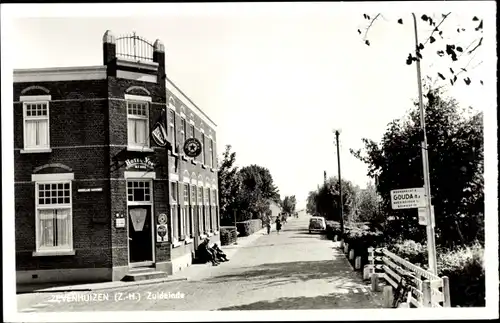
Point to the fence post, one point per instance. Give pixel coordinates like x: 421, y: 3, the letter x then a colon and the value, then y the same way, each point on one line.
x: 351, y: 254
x: 446, y: 292
x: 375, y: 284
x: 426, y: 291
x: 357, y: 263
x: 388, y: 296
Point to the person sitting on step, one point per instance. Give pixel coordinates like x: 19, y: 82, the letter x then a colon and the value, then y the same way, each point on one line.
x: 219, y: 254
x: 206, y: 254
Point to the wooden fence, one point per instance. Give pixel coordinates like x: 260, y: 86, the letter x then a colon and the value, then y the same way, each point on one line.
x: 430, y: 290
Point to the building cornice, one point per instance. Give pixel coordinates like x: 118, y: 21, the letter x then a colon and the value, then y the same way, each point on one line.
x: 153, y: 66
x: 189, y: 103
x: 53, y: 74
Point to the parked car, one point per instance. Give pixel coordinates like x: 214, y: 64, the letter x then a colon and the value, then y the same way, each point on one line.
x: 317, y: 223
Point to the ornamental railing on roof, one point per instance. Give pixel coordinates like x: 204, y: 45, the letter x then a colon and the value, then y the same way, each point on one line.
x: 134, y: 47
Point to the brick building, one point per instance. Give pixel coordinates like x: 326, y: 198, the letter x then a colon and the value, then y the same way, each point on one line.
x: 97, y: 195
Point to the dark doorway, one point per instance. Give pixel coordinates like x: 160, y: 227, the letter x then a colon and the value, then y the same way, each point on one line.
x: 140, y: 234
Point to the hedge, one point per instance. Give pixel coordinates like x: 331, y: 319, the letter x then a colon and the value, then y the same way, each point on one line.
x: 246, y: 228
x: 228, y: 236
x: 359, y: 238
x: 465, y: 270
x: 464, y: 267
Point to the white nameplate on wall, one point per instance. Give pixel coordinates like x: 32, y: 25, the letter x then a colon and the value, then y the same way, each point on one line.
x: 82, y: 190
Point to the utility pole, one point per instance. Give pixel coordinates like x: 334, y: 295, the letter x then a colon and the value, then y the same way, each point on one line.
x: 431, y: 244
x: 337, y: 133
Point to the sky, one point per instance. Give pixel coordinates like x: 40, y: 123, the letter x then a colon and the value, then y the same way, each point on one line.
x: 277, y: 79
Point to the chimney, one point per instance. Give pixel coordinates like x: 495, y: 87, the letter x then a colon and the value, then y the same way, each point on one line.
x: 109, y: 52
x: 159, y: 57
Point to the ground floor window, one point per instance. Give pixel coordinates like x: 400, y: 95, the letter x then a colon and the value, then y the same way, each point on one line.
x: 175, y: 222
x: 54, y: 216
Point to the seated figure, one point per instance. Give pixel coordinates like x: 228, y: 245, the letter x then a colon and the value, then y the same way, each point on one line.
x: 206, y: 254
x: 219, y: 254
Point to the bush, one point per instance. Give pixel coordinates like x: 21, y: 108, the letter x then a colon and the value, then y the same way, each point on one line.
x: 246, y: 228
x: 414, y: 252
x: 359, y: 238
x: 332, y: 229
x: 465, y: 270
x: 228, y: 236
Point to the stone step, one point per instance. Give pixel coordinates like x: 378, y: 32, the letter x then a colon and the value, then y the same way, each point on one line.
x: 144, y: 275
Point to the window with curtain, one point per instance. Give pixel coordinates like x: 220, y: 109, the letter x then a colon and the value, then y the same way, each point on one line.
x: 183, y: 131
x: 203, y: 148
x: 36, y: 125
x: 201, y: 216
x: 138, y: 124
x: 193, y: 209
x: 211, y: 153
x: 54, y: 216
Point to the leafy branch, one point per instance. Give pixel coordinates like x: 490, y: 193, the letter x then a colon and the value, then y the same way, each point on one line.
x: 367, y: 42
x: 452, y: 50
x: 432, y: 39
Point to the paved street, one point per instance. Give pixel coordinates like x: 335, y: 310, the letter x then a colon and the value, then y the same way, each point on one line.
x: 292, y: 270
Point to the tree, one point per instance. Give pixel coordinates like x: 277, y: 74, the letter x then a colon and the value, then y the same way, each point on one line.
x: 327, y: 199
x: 466, y: 42
x: 312, y: 201
x: 289, y: 204
x: 229, y: 185
x: 257, y: 191
x: 456, y: 158
x: 367, y: 205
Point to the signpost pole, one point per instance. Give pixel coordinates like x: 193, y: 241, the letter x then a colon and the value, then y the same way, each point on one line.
x: 431, y: 244
x: 337, y: 133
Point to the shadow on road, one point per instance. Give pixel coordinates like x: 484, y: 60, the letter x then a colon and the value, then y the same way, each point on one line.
x: 287, y: 272
x: 330, y: 301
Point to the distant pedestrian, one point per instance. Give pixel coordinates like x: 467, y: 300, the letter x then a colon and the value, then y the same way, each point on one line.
x: 268, y: 226
x: 278, y: 225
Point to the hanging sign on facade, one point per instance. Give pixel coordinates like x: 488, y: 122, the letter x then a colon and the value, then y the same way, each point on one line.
x: 161, y: 233
x: 192, y: 147
x: 141, y: 163
x: 408, y: 198
x: 159, y: 134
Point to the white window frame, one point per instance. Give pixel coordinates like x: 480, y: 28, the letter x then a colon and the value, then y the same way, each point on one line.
x: 203, y: 147
x: 207, y: 196
x: 174, y: 194
x: 35, y: 99
x: 183, y: 130
x: 214, y: 197
x: 200, y: 193
x: 211, y: 149
x: 185, y: 189
x: 139, y: 99
x: 60, y: 178
x: 171, y: 124
x: 138, y: 179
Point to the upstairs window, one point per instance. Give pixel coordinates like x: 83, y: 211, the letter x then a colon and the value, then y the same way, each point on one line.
x: 171, y: 129
x: 138, y: 124
x: 36, y: 123
x: 203, y: 145
x: 212, y: 157
x: 183, y: 131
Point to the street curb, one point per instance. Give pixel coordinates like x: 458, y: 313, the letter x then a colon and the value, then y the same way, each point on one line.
x: 109, y: 286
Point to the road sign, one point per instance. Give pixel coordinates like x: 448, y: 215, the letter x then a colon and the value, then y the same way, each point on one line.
x: 408, y: 198
x: 422, y: 216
